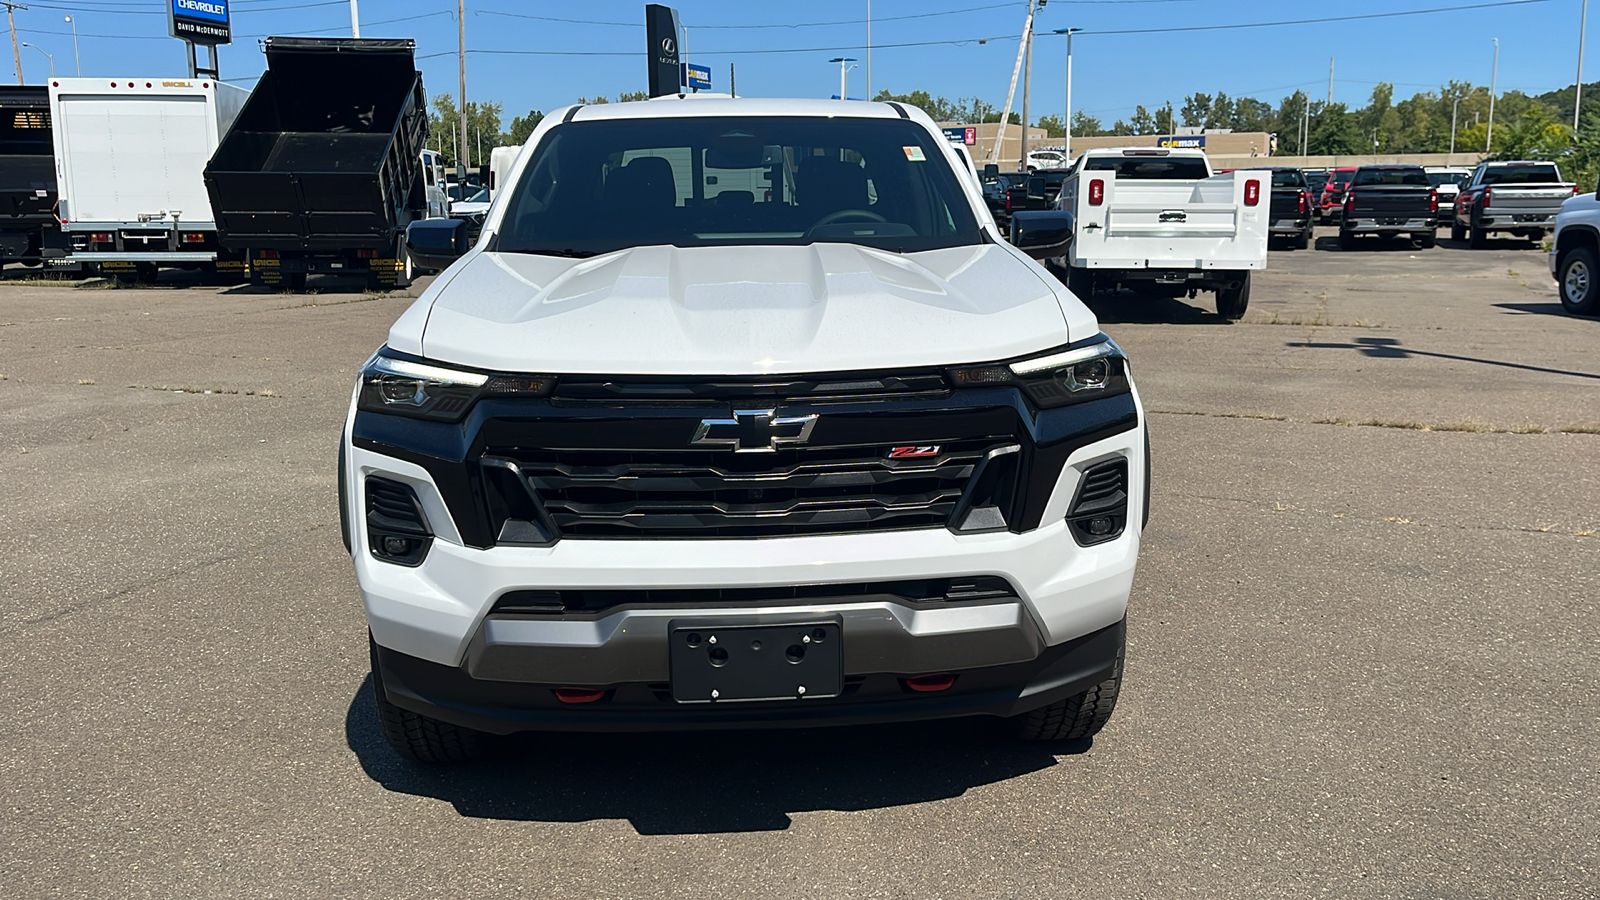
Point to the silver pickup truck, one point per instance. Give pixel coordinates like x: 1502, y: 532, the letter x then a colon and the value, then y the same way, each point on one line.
x: 1520, y: 197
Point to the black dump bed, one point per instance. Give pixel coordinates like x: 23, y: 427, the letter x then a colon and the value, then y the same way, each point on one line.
x: 1287, y: 186
x: 27, y: 156
x: 324, y: 155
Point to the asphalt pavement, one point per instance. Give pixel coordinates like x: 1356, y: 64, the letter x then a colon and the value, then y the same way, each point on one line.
x: 1362, y: 639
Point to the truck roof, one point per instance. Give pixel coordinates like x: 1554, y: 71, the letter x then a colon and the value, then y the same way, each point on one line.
x: 724, y: 105
x: 1143, y: 151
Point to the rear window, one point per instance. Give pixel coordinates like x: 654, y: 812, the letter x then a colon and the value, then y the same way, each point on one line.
x: 1366, y: 177
x: 1439, y: 179
x: 1288, y: 178
x: 1533, y: 174
x: 706, y: 181
x: 1154, y: 168
x: 1340, y: 179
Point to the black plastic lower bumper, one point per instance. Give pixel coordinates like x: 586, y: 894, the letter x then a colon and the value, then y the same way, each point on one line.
x: 499, y: 707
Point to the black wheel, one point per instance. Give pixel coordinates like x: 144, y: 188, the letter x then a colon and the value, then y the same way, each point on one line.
x: 1536, y: 236
x: 1079, y: 716
x: 1347, y: 241
x: 1080, y: 282
x: 1303, y: 241
x: 420, y: 738
x: 1427, y: 241
x: 1457, y: 233
x: 1579, y: 294
x: 295, y: 281
x: 1232, y: 302
x: 1477, y: 238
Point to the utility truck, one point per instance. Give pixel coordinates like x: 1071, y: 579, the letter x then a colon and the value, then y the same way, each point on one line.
x: 325, y: 167
x: 27, y: 173
x: 129, y: 153
x: 1158, y: 222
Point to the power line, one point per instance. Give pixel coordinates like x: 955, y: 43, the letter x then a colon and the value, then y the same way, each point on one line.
x: 1319, y: 21
x: 792, y: 25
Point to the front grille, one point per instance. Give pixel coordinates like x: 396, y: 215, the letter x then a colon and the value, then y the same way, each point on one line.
x: 965, y: 589
x: 719, y: 493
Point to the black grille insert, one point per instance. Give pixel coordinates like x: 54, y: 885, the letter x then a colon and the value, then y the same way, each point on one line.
x: 1100, y: 511
x: 964, y: 589
x: 719, y: 493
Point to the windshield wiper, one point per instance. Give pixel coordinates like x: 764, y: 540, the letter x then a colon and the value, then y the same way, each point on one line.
x: 567, y: 253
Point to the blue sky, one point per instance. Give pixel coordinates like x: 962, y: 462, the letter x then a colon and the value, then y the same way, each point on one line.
x: 1112, y: 72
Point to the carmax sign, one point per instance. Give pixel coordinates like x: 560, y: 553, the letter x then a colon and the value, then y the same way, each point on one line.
x: 1182, y: 141
x: 199, y: 21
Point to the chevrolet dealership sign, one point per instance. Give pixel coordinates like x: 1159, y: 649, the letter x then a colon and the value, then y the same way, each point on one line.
x: 199, y: 21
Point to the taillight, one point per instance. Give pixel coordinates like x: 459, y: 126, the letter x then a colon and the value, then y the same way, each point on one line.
x: 367, y: 253
x: 1303, y: 198
x: 100, y: 237
x: 1349, y: 202
x: 1252, y: 192
x: 1008, y: 201
x: 1097, y: 192
x: 1574, y: 190
x: 193, y: 237
x: 1488, y: 195
x: 1433, y: 200
x: 267, y: 254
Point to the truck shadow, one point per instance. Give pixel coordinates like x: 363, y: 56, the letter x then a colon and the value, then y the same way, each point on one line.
x: 710, y: 781
x: 1129, y: 308
x: 1542, y: 309
x: 1371, y: 245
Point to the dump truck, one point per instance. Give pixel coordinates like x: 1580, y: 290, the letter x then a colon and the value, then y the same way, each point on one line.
x: 129, y: 153
x: 325, y: 166
x: 27, y: 173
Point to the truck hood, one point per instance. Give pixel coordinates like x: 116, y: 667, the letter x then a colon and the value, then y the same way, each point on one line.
x: 739, y: 310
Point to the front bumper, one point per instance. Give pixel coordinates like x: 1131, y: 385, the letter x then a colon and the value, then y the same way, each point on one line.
x: 452, y: 694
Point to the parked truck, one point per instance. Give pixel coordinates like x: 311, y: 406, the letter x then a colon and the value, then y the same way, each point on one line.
x: 1158, y: 222
x: 1520, y: 197
x: 1387, y: 201
x: 129, y: 153
x: 27, y: 173
x: 325, y: 166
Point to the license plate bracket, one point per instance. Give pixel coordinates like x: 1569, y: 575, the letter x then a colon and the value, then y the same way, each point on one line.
x: 730, y: 662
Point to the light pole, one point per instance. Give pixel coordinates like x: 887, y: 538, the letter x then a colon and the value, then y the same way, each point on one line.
x: 76, y: 61
x: 869, y: 50
x: 1494, y: 80
x: 46, y: 56
x: 355, y: 19
x: 1067, y: 124
x: 1577, y: 100
x: 1453, y: 107
x: 844, y: 73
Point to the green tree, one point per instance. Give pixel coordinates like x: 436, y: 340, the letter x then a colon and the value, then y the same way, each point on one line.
x: 1143, y: 122
x: 1052, y: 126
x: 483, y: 129
x: 1085, y: 125
x: 522, y: 127
x: 632, y: 96
x: 1165, y: 121
x: 1196, y: 107
x: 1335, y: 131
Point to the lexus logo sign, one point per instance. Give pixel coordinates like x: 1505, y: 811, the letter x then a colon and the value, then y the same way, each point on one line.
x: 668, y: 47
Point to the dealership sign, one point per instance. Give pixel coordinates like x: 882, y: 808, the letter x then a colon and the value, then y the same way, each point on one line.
x: 1182, y: 141
x: 962, y: 135
x: 199, y: 21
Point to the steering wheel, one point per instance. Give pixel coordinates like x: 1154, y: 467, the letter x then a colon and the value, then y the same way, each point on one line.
x: 829, y: 219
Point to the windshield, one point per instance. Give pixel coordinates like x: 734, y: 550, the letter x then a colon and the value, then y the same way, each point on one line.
x: 1440, y: 179
x: 1167, y: 168
x: 693, y: 181
x: 482, y: 196
x: 1288, y: 178
x: 1531, y: 174
x: 1368, y: 177
x: 1340, y: 179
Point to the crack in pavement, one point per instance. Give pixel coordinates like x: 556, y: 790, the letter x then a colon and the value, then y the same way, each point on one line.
x: 1313, y: 512
x: 1447, y: 427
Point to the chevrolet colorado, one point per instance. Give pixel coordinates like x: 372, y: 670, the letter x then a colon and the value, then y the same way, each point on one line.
x: 741, y: 413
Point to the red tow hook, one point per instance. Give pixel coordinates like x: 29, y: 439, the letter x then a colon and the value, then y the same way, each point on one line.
x: 931, y: 683
x: 579, y: 695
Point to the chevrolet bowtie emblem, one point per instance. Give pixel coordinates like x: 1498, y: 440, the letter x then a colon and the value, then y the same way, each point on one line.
x: 754, y: 431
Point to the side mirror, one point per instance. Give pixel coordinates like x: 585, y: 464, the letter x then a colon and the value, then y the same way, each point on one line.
x: 1036, y: 187
x: 1042, y: 234
x: 436, y: 243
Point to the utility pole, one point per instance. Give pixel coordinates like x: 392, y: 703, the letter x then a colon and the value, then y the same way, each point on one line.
x: 76, y: 59
x: 1453, y: 107
x: 869, y: 53
x: 1494, y: 80
x: 16, y: 51
x: 355, y: 19
x: 1577, y: 100
x: 1027, y: 86
x: 1330, y: 81
x: 461, y: 62
x: 1305, y: 125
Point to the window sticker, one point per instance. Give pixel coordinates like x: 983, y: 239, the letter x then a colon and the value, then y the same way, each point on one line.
x: 915, y: 154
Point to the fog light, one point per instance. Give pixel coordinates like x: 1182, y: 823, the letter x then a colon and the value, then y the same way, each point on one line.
x: 931, y: 683
x: 396, y: 546
x: 1100, y: 526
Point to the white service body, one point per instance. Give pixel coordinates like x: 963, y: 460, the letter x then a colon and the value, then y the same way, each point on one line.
x: 130, y: 155
x: 1176, y: 225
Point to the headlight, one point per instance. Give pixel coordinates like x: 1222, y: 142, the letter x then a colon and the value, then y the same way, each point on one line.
x: 1086, y: 372
x: 391, y: 383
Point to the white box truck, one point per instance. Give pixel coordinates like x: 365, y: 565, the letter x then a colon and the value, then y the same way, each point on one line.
x: 129, y: 157
x: 1158, y: 222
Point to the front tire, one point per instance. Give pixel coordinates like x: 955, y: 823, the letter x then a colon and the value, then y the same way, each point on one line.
x: 1477, y: 239
x: 1580, y: 296
x: 1304, y: 240
x: 1232, y: 302
x: 421, y: 738
x: 1079, y: 716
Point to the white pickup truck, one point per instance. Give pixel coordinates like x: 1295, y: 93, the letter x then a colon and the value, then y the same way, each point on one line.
x: 1159, y: 222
